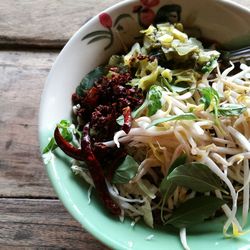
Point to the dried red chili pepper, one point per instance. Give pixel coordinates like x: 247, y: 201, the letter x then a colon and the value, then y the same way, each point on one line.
x: 96, y: 173
x: 66, y: 147
x: 127, y: 119
x: 92, y: 97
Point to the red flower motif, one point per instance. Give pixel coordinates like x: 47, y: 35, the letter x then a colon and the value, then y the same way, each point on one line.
x: 147, y: 17
x: 150, y: 3
x: 105, y: 20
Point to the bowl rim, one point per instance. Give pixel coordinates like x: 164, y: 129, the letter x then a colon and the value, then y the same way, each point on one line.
x: 112, y: 243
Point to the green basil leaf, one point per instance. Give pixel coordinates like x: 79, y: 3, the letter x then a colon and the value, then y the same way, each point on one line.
x: 154, y: 99
x: 126, y: 171
x: 186, y: 116
x: 167, y: 190
x: 178, y: 161
x: 210, y: 65
x: 209, y: 95
x: 135, y: 113
x: 89, y: 80
x: 67, y: 134
x: 194, y: 211
x: 195, y: 176
x: 64, y: 124
x: 167, y: 187
x: 51, y: 146
x: 231, y: 109
x: 66, y: 131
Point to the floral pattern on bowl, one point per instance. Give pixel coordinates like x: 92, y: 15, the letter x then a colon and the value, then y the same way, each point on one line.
x: 144, y: 14
x: 107, y: 22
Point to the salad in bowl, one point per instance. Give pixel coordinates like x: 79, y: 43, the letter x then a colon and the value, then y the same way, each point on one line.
x: 160, y: 131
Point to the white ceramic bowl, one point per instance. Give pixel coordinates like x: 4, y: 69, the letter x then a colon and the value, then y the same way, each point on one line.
x: 223, y: 21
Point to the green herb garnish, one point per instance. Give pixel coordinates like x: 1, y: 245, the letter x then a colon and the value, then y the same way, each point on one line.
x: 89, y: 80
x: 194, y: 211
x: 154, y: 99
x: 186, y: 116
x: 126, y: 171
x: 231, y: 109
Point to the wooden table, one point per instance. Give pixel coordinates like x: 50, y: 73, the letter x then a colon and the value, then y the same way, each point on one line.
x: 31, y: 36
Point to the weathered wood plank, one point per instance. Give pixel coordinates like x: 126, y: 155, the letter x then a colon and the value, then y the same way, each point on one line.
x: 22, y: 79
x: 44, y: 22
x: 39, y: 223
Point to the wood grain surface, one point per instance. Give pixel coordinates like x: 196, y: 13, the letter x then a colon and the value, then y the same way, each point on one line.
x: 45, y: 23
x: 40, y: 223
x: 31, y: 217
x: 22, y: 78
